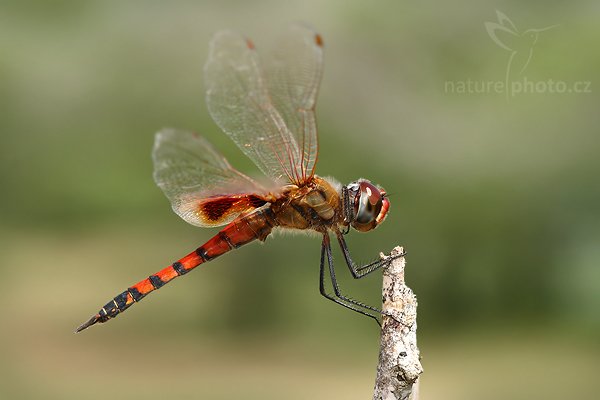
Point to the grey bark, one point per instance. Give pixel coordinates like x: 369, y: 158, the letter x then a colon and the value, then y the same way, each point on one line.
x: 399, y: 361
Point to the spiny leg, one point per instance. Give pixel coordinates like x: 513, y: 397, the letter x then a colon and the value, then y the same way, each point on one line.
x: 360, y: 271
x: 336, y: 287
x: 339, y: 298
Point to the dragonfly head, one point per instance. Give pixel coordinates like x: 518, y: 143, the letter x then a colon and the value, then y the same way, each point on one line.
x: 366, y: 204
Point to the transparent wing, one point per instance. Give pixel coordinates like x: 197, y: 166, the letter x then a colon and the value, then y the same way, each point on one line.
x: 294, y: 70
x: 262, y: 123
x: 204, y: 189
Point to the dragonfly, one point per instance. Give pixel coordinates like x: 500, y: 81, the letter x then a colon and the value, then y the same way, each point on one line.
x: 267, y: 107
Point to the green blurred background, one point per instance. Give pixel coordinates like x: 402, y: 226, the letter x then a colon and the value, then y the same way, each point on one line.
x: 496, y: 201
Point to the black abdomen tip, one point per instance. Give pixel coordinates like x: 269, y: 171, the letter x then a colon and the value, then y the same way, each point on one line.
x: 90, y: 322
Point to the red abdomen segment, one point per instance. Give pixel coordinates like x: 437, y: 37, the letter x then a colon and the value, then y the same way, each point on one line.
x: 257, y: 225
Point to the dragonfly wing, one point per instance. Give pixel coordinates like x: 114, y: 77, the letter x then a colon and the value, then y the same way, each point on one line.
x: 294, y: 70
x: 203, y: 188
x: 238, y: 100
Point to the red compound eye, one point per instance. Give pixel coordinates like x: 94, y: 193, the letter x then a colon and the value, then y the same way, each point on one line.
x: 370, y: 206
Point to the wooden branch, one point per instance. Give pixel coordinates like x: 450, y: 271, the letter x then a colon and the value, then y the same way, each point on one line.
x: 399, y: 362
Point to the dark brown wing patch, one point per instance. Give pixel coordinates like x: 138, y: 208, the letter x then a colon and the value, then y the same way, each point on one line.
x: 256, y: 201
x: 215, y: 209
x: 218, y: 208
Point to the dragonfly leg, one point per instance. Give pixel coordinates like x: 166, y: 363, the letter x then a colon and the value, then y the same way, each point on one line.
x: 360, y: 271
x: 339, y: 298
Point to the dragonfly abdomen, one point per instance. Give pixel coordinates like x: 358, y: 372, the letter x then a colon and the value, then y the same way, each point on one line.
x: 241, y: 231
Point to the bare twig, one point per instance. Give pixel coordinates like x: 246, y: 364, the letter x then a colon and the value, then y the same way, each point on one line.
x: 399, y: 366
